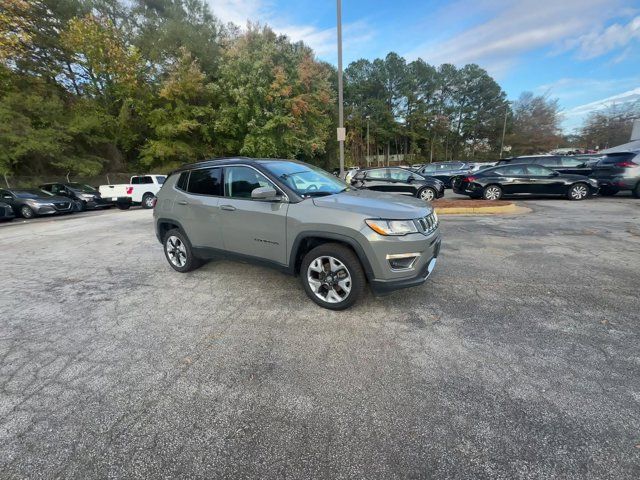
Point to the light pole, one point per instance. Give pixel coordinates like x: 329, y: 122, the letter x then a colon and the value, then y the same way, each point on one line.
x: 368, y: 117
x: 341, y: 131
x: 504, y: 128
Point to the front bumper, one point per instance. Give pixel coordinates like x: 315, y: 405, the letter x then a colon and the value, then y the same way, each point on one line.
x: 424, y: 270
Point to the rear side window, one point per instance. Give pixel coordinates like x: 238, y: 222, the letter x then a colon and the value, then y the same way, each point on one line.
x: 571, y: 161
x: 379, y: 174
x: 206, y: 181
x: 511, y: 170
x: 181, y: 184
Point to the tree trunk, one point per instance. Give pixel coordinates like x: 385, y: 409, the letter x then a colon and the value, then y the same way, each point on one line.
x: 6, y: 180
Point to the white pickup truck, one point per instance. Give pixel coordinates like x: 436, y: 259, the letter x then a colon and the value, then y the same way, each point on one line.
x: 141, y: 190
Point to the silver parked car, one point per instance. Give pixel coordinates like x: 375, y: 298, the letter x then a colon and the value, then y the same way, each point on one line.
x: 31, y: 202
x: 300, y: 219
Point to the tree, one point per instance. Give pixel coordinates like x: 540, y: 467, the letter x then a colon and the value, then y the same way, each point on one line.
x: 610, y: 127
x: 535, y: 125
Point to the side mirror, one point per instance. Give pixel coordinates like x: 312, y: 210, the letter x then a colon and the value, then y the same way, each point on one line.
x: 265, y: 193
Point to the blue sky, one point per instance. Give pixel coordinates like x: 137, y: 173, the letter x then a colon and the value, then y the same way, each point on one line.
x: 586, y: 53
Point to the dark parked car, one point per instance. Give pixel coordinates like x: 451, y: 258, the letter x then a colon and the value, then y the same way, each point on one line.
x: 492, y: 183
x: 569, y: 164
x: 618, y: 172
x: 399, y: 180
x: 6, y: 212
x: 445, y: 171
x: 29, y: 203
x: 84, y: 196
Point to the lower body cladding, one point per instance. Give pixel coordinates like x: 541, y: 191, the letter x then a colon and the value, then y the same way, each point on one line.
x: 407, y: 263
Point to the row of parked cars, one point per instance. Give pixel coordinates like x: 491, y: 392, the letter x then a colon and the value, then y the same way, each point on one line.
x: 575, y: 177
x: 64, y: 198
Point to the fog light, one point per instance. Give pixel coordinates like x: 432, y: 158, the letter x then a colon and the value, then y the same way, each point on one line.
x: 402, y: 261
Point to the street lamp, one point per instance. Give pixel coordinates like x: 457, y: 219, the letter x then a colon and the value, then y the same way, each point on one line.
x: 504, y: 128
x: 341, y: 131
x: 368, y: 117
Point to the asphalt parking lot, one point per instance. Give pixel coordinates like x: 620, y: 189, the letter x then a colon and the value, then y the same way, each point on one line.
x: 519, y: 358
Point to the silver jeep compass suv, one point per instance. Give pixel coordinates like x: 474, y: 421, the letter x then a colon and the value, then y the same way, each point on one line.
x: 300, y: 219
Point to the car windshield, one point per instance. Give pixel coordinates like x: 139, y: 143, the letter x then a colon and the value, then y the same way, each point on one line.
x: 81, y: 188
x: 32, y: 193
x: 306, y: 180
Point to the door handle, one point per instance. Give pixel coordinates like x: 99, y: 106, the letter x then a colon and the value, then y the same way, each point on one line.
x: 230, y: 208
x: 182, y: 202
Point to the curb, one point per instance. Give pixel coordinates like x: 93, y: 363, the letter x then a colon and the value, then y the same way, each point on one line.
x: 503, y: 209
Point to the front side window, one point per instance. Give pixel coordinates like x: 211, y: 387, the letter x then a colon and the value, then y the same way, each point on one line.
x: 206, y: 181
x: 239, y: 182
x: 548, y: 161
x: 305, y: 180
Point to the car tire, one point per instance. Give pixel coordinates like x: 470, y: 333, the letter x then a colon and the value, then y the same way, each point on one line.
x: 492, y: 192
x: 147, y: 200
x: 178, y: 252
x: 330, y: 291
x: 427, y: 194
x: 123, y: 206
x: 578, y: 191
x: 608, y: 192
x: 636, y: 191
x: 27, y: 212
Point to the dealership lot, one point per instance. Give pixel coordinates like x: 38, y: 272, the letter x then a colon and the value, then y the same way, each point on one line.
x: 519, y: 358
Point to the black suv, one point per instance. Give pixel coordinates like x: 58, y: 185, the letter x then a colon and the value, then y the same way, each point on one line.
x: 617, y: 172
x: 445, y: 171
x: 399, y: 180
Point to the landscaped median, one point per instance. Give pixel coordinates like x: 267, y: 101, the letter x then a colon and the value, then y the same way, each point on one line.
x: 476, y: 207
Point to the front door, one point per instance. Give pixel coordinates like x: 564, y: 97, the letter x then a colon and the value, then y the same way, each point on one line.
x: 545, y: 181
x: 400, y: 181
x: 252, y: 227
x: 516, y: 179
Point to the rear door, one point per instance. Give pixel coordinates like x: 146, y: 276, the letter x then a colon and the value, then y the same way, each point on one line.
x: 573, y: 166
x: 377, y: 179
x: 515, y: 179
x: 252, y: 227
x: 400, y: 183
x: 198, y: 208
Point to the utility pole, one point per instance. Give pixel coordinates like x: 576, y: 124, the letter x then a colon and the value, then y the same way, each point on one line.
x: 504, y: 128
x: 341, y: 132
x: 368, y: 117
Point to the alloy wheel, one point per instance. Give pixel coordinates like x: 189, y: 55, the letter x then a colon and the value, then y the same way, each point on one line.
x: 148, y: 201
x: 578, y: 192
x: 26, y: 212
x: 329, y: 279
x: 492, y: 193
x: 427, y: 194
x: 176, y: 251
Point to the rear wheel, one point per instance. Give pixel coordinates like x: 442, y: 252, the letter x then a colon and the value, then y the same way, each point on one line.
x: 147, y: 200
x: 332, y: 276
x: 492, y: 192
x: 27, y: 212
x: 179, y: 253
x: 578, y: 191
x: 427, y: 194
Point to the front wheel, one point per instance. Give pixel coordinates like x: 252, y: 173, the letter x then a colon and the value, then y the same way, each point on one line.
x: 179, y: 253
x: 577, y: 192
x: 27, y: 212
x: 427, y: 194
x: 148, y: 200
x: 332, y: 276
x: 492, y: 192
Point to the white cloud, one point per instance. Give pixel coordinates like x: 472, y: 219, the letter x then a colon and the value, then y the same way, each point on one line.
x: 630, y: 96
x: 514, y: 28
x: 321, y: 40
x: 601, y: 41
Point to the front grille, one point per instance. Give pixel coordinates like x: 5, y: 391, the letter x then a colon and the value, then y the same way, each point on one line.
x: 428, y: 224
x: 62, y: 205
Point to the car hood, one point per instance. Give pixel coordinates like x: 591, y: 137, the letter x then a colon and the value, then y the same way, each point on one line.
x: 48, y: 199
x: 376, y: 204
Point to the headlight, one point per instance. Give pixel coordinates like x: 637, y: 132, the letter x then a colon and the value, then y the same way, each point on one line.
x: 392, y: 227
